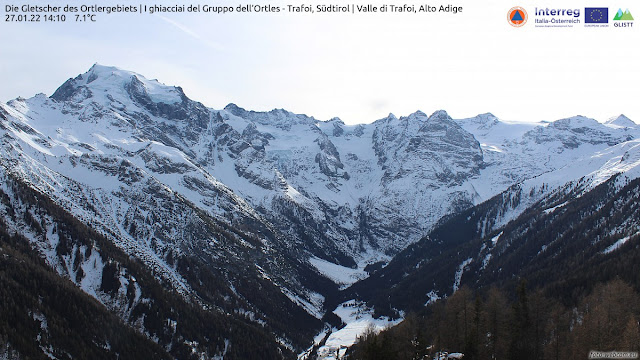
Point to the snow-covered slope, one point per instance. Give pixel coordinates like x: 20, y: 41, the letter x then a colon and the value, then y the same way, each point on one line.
x: 372, y: 189
x: 140, y: 162
x: 347, y: 194
x: 621, y: 121
x: 104, y: 150
x: 196, y: 323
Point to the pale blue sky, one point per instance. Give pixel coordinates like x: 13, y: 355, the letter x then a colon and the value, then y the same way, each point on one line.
x: 357, y: 67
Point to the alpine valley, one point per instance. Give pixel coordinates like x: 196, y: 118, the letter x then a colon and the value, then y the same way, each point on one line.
x: 138, y: 223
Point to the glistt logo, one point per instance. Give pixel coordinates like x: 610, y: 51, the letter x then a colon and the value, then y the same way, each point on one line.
x: 623, y: 19
x: 517, y: 16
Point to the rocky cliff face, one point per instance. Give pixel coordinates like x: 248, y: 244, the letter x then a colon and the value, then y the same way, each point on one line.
x: 260, y: 193
x: 340, y: 192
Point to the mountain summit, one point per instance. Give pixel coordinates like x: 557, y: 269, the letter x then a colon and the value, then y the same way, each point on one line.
x: 348, y: 194
x: 621, y: 121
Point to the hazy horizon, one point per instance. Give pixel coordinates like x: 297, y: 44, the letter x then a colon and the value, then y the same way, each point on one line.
x: 358, y: 67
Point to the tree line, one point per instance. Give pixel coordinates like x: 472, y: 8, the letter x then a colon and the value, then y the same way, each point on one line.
x: 514, y: 324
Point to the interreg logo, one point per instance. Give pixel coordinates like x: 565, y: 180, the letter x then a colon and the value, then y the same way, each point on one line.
x: 623, y: 19
x: 517, y: 16
x: 557, y: 17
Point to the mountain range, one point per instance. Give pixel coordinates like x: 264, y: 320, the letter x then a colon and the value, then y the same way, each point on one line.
x: 198, y: 229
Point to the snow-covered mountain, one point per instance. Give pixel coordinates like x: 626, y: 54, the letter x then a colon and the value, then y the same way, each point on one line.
x: 275, y: 197
x: 621, y: 121
x: 339, y: 192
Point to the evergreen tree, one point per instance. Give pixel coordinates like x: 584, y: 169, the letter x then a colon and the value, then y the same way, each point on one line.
x: 520, y: 347
x: 496, y: 316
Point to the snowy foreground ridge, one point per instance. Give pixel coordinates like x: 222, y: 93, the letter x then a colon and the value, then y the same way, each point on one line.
x: 358, y: 318
x: 144, y: 165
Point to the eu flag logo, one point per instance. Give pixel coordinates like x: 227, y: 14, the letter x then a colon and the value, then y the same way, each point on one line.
x: 596, y: 15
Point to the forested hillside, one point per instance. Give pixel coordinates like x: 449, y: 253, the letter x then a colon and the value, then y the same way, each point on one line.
x: 558, y: 281
x: 513, y: 324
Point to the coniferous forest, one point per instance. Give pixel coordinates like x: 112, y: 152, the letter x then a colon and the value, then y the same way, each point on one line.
x: 561, y: 286
x: 513, y: 324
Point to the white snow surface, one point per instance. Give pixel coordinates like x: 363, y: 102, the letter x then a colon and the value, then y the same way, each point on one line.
x: 615, y: 246
x: 382, y: 172
x: 494, y: 240
x: 341, y: 275
x: 92, y: 268
x: 358, y: 319
x: 433, y: 297
x: 459, y: 272
x: 621, y: 121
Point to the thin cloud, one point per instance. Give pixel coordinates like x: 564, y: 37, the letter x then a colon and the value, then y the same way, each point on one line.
x: 191, y: 33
